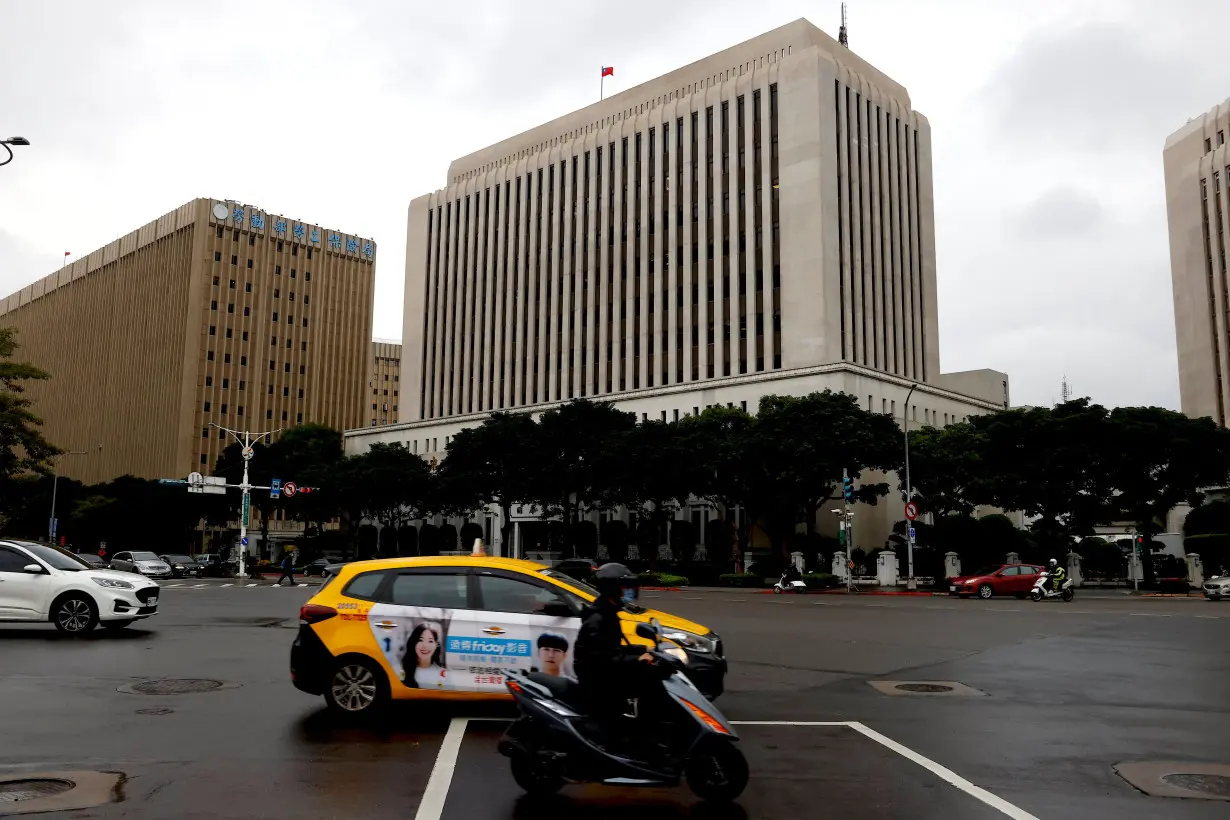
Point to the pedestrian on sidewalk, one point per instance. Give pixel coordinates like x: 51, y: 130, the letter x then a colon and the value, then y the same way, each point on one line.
x: 288, y: 570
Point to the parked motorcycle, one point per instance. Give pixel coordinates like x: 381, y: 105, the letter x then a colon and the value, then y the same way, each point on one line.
x: 1042, y: 589
x: 554, y: 743
x: 797, y: 586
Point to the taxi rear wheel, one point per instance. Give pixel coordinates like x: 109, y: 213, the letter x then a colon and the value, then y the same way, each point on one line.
x: 357, y: 687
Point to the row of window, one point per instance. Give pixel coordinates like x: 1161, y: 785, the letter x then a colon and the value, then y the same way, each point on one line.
x: 277, y: 270
x: 880, y: 237
x: 495, y: 267
x: 294, y: 249
x: 1208, y: 142
x: 1216, y: 279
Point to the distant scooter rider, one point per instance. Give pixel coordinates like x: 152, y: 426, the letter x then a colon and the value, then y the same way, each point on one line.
x: 1058, y: 576
x: 609, y: 669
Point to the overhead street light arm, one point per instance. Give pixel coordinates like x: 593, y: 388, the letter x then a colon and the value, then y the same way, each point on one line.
x: 12, y: 141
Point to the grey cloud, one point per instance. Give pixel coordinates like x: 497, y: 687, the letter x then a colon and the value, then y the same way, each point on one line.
x: 1061, y: 213
x: 1097, y: 87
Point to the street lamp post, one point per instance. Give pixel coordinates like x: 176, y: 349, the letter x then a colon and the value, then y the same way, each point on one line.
x: 910, y: 583
x: 246, y: 443
x: 12, y: 141
x: 55, y: 486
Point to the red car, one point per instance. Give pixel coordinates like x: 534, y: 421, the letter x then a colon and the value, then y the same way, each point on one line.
x: 1004, y: 579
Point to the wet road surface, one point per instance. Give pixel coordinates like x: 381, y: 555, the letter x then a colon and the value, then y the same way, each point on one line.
x: 1070, y: 690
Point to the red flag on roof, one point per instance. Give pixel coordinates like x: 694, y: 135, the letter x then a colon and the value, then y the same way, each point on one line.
x: 608, y: 71
x: 68, y: 253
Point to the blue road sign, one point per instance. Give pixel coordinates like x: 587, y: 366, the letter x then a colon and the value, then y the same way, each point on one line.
x: 244, y: 541
x: 275, y: 488
x: 911, y: 533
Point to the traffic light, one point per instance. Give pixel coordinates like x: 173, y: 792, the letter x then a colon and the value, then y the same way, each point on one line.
x: 847, y: 489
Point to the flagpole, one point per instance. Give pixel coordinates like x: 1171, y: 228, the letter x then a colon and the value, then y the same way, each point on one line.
x: 601, y: 83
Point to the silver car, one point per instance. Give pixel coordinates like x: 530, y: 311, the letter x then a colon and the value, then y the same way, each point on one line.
x: 142, y: 563
x: 1217, y: 588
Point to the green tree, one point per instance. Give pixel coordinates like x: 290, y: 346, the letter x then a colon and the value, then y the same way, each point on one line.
x: 723, y: 447
x: 22, y: 446
x: 1158, y: 458
x: 577, y: 465
x: 394, y: 484
x: 490, y: 464
x: 1050, y: 463
x: 657, y: 469
x: 947, y: 468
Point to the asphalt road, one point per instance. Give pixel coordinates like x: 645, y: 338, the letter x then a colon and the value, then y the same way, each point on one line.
x: 1067, y: 691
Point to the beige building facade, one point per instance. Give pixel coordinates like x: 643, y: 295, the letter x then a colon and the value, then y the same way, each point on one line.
x: 384, y: 383
x: 215, y: 312
x: 757, y: 222
x: 1196, y: 161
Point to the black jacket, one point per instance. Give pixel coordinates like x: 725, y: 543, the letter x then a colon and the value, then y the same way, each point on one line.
x: 603, y: 660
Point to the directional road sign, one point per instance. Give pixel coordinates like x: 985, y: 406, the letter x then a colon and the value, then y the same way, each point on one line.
x: 290, y: 488
x: 275, y: 488
x: 244, y: 541
x: 911, y: 510
x: 911, y: 535
x: 247, y: 509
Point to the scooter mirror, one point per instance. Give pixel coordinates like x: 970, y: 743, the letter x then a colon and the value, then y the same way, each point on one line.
x: 647, y: 631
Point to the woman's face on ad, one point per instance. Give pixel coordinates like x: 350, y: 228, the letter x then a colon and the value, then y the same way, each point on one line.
x: 426, y: 647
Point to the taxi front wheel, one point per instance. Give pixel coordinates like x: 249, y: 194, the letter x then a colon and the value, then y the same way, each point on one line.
x: 357, y: 687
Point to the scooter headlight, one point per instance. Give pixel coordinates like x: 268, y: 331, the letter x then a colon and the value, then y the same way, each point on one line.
x: 676, y: 653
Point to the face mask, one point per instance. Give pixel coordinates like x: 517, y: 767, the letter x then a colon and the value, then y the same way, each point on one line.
x: 629, y: 595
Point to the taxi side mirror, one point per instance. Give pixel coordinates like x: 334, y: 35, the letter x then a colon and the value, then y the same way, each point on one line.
x: 558, y: 609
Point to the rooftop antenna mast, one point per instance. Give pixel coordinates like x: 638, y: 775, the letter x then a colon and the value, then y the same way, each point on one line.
x: 1065, y: 390
x: 842, y: 36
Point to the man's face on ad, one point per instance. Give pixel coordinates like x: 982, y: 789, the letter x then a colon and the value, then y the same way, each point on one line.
x: 552, y: 660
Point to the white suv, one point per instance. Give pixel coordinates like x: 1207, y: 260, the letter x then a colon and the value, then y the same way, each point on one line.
x: 44, y: 583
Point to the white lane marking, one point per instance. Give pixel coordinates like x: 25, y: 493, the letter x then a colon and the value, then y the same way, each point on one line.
x: 1150, y: 614
x: 1209, y: 617
x: 431, y: 807
x: 171, y: 586
x: 199, y: 586
x: 228, y: 585
x: 251, y: 585
x: 789, y: 723
x: 692, y: 598
x: 945, y: 774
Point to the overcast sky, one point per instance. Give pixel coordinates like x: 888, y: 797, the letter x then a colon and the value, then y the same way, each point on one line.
x: 1048, y: 119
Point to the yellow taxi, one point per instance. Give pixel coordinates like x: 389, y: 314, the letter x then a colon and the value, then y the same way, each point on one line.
x: 455, y: 628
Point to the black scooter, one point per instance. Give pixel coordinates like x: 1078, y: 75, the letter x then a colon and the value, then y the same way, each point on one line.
x: 553, y: 743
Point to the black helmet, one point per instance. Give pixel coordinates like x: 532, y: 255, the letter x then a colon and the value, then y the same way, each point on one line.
x: 617, y: 581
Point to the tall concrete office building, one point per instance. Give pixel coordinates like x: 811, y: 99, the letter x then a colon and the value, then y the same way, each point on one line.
x: 215, y: 312
x: 757, y: 222
x: 384, y: 382
x: 1197, y: 168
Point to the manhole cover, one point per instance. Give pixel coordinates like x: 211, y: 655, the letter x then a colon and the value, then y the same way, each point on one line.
x: 926, y: 689
x: 1182, y: 779
x: 929, y: 688
x: 15, y: 791
x: 1215, y: 785
x: 181, y: 686
x: 158, y: 711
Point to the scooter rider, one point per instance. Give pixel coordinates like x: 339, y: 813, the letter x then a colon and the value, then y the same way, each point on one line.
x: 1058, y: 576
x: 608, y: 668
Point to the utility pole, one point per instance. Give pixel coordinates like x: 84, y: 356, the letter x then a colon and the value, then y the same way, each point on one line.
x: 910, y: 583
x: 245, y: 486
x: 55, y: 486
x: 847, y: 523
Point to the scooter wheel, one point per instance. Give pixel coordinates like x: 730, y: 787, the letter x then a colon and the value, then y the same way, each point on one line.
x: 1035, y: 596
x: 717, y: 772
x: 1067, y: 595
x: 533, y: 778
x: 777, y: 590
